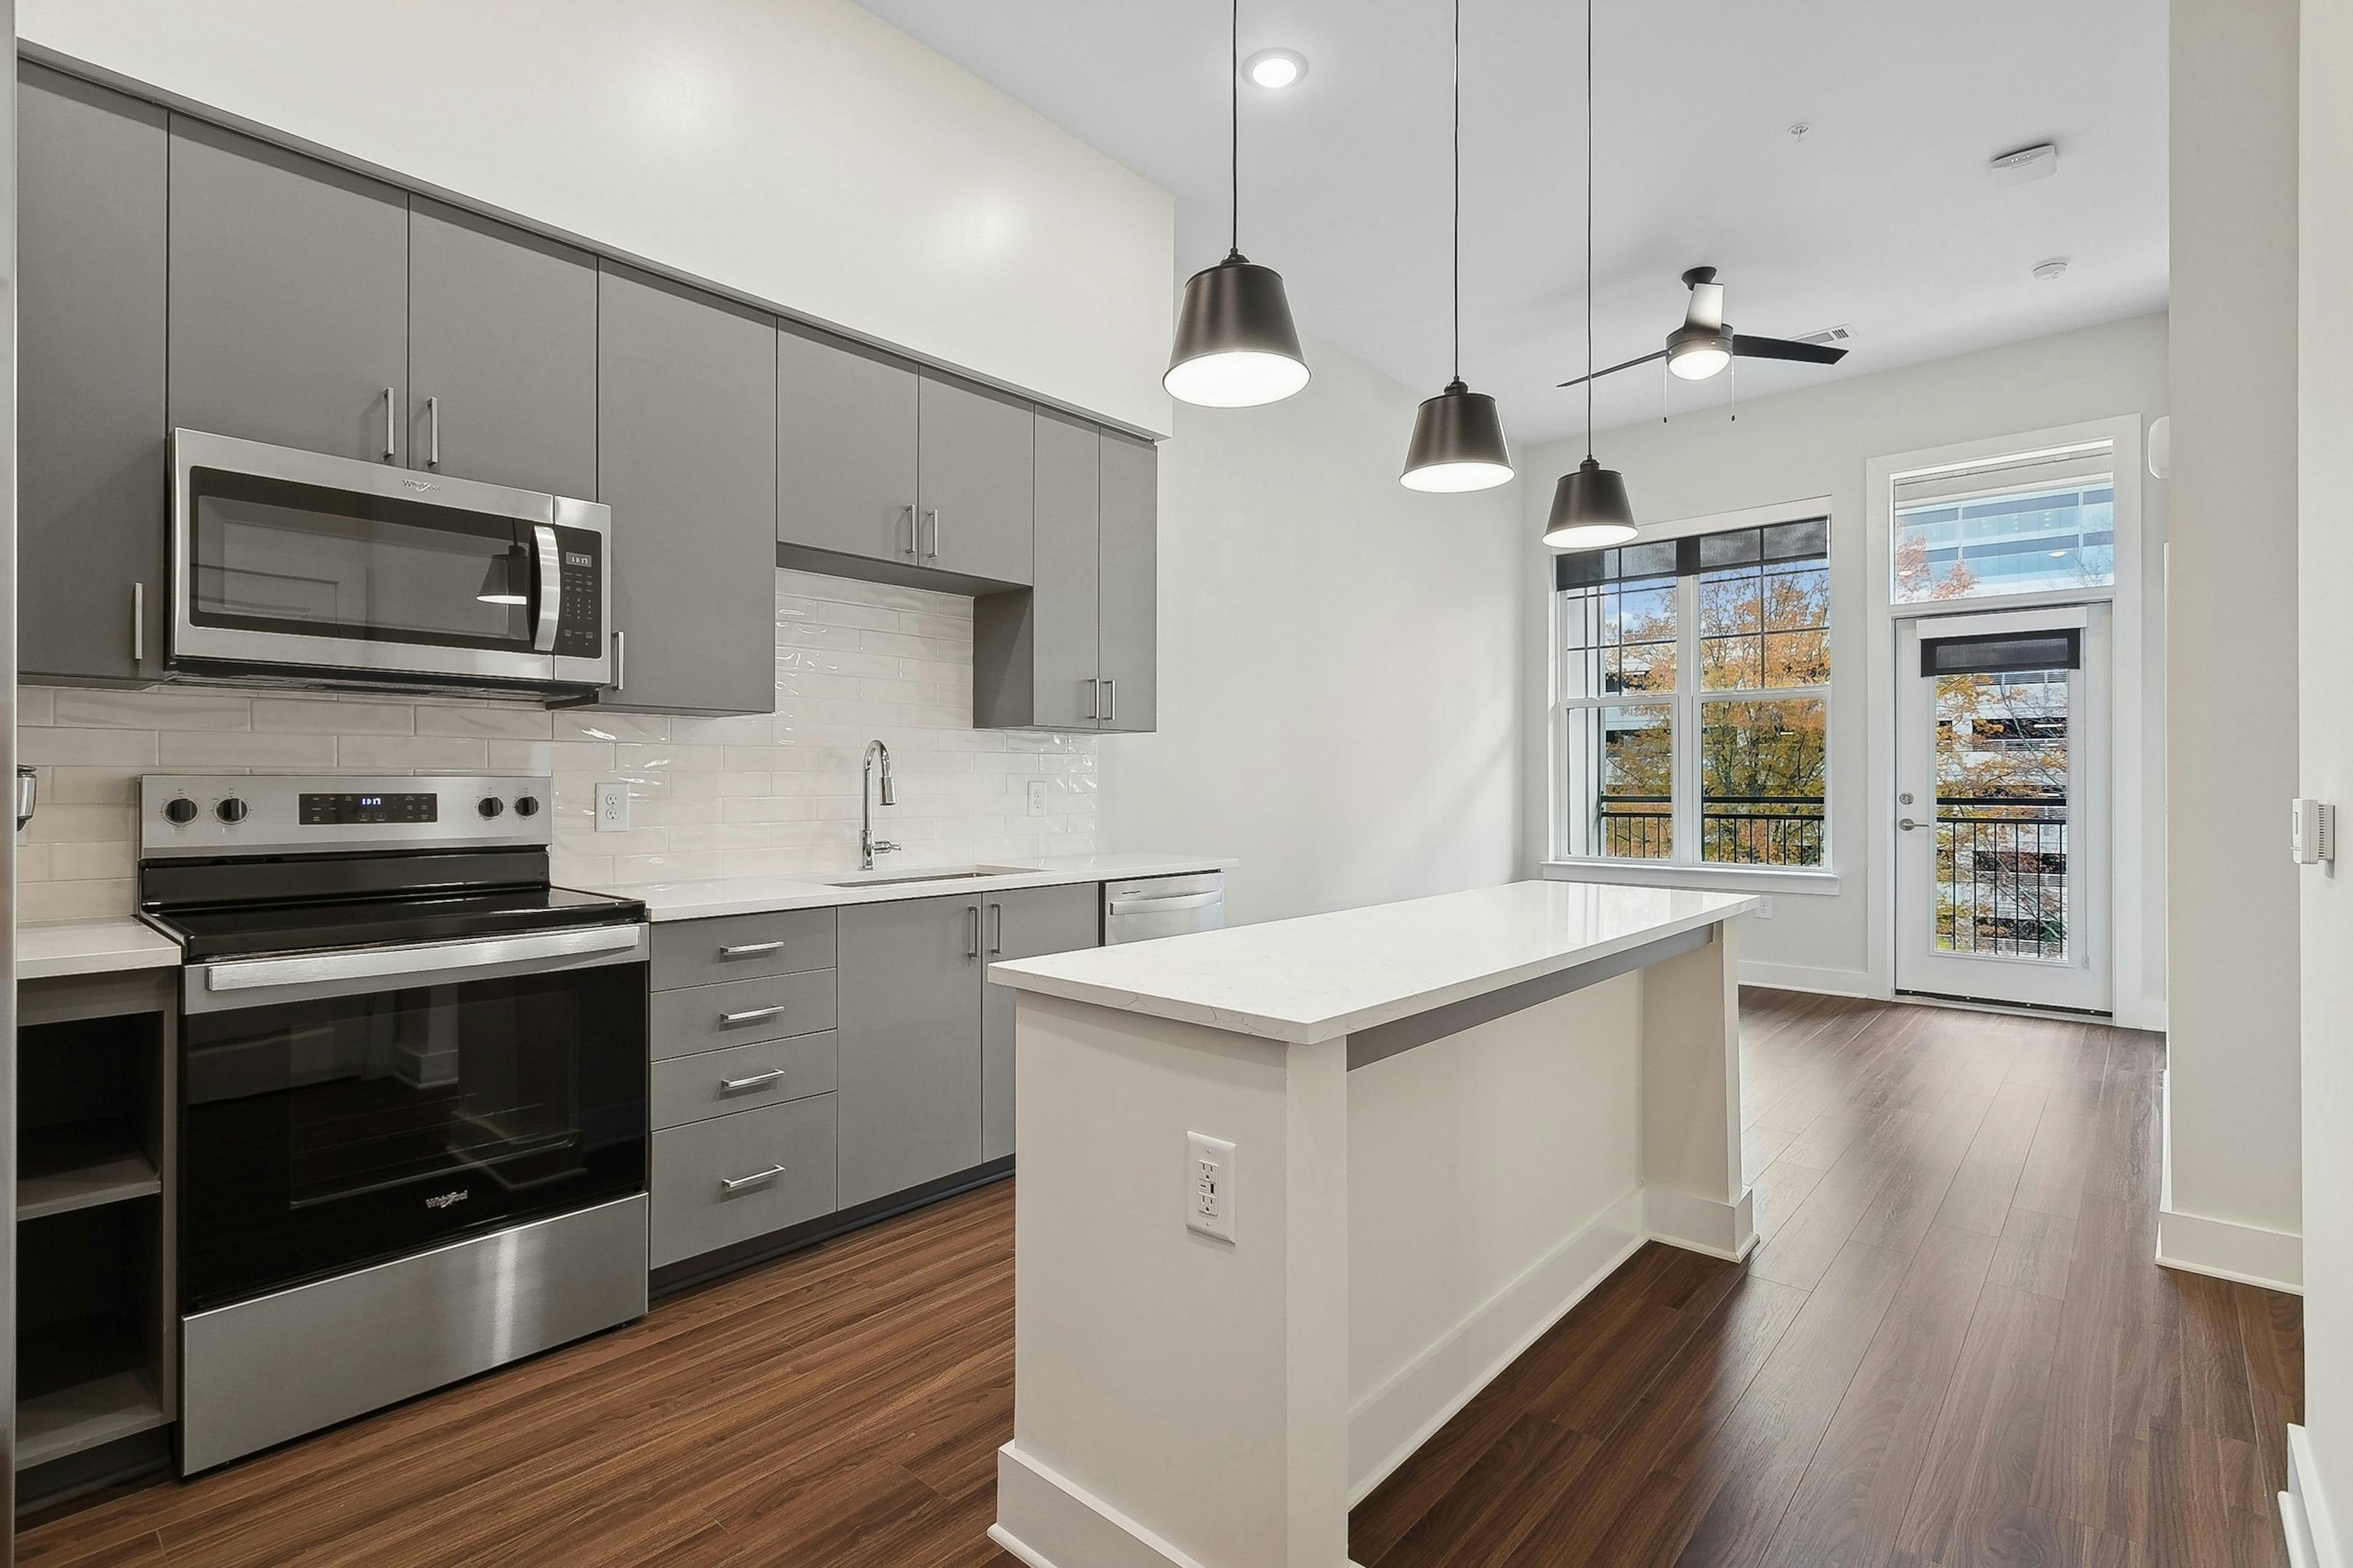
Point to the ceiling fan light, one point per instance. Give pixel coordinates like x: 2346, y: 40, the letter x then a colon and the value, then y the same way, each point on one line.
x: 1589, y: 510
x: 1458, y: 444
x: 1236, y: 346
x: 1696, y: 355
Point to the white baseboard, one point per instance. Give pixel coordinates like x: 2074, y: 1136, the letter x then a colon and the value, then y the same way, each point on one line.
x: 1700, y: 1225
x: 2312, y: 1540
x: 1804, y: 978
x: 1386, y: 1425
x: 2226, y: 1250
x: 1049, y: 1520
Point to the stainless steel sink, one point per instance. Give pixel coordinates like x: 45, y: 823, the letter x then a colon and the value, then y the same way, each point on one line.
x: 938, y: 874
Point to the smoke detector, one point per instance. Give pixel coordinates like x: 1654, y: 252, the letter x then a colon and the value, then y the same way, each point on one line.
x: 2051, y: 271
x: 2022, y: 164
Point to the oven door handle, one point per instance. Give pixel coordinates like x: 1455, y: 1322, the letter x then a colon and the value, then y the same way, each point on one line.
x: 551, y: 587
x: 427, y: 963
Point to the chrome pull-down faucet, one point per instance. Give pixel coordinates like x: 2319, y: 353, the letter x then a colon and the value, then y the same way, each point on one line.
x: 868, y: 846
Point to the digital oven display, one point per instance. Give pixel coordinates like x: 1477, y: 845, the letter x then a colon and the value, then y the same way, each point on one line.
x: 334, y: 810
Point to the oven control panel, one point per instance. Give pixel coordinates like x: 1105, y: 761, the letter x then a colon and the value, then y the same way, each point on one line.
x: 247, y: 814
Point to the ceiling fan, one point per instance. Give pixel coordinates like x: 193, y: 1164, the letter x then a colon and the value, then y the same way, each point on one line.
x: 1703, y: 345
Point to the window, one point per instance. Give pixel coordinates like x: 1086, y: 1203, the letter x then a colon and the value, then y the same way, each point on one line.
x: 1694, y: 697
x: 2032, y: 524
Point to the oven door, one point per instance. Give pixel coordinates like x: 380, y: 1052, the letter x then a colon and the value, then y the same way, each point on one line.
x: 299, y: 562
x: 341, y: 1108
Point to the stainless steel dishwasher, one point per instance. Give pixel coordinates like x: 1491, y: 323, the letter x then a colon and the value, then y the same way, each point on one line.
x: 1143, y: 907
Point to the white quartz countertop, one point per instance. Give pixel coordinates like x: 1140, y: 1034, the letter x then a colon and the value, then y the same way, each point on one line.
x: 50, y: 949
x: 758, y: 895
x: 1323, y: 976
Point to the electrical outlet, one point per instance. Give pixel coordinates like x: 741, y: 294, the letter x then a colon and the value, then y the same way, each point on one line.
x: 1036, y: 797
x: 1764, y: 908
x: 1209, y: 1186
x: 612, y: 809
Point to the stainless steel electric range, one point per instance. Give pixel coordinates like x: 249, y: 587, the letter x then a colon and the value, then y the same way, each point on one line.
x: 413, y: 1092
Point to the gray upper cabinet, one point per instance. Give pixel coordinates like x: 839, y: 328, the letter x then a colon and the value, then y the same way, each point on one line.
x: 92, y: 209
x: 1025, y: 922
x: 1034, y: 652
x: 687, y: 461
x: 502, y: 353
x: 975, y: 482
x: 289, y: 296
x: 908, y: 1043
x: 846, y: 448
x: 1128, y: 584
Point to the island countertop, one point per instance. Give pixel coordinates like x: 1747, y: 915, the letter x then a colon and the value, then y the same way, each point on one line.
x: 1322, y: 977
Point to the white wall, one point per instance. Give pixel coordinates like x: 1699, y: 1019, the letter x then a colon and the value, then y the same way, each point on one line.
x: 2233, y: 1067
x: 2325, y: 636
x: 1818, y: 443
x: 1339, y: 671
x: 800, y: 150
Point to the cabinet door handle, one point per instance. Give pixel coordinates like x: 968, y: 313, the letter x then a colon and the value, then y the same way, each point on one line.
x: 1111, y: 702
x: 433, y: 432
x: 391, y: 424
x: 730, y: 1184
x: 754, y: 1016
x: 996, y: 928
x: 972, y: 932
x: 1094, y: 697
x: 933, y: 552
x: 748, y: 948
x: 138, y: 622
x: 757, y: 1080
x: 620, y: 662
x: 914, y: 527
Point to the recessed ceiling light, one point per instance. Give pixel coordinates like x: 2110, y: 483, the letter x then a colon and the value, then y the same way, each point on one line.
x: 1274, y: 69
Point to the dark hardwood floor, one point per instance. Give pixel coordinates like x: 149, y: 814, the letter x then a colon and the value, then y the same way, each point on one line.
x: 1953, y: 1348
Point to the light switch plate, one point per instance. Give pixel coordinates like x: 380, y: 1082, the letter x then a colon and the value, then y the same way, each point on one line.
x: 612, y: 809
x: 1208, y: 1187
x: 1036, y: 797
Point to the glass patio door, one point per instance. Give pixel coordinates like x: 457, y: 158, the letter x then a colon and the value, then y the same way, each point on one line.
x: 2001, y: 809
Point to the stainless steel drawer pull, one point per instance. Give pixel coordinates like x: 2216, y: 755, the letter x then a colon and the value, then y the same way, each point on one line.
x: 915, y: 529
x: 933, y: 552
x: 972, y: 932
x: 1111, y: 702
x: 754, y: 1016
x: 747, y: 948
x: 1158, y: 906
x: 730, y: 1184
x: 1094, y: 699
x: 757, y: 1080
x: 432, y: 432
x: 138, y: 622
x: 996, y: 929
x: 391, y: 424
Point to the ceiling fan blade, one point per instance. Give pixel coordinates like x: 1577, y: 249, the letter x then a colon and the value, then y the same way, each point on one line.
x: 1748, y: 347
x: 1614, y: 369
x: 1707, y: 311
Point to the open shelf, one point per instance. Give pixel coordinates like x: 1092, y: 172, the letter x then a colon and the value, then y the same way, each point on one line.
x: 80, y: 1165
x: 85, y: 1383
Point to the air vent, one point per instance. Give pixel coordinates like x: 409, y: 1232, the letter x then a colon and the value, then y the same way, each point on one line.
x: 1839, y: 334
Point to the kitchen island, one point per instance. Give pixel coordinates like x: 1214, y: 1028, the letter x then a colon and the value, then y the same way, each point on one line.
x: 1291, y: 1193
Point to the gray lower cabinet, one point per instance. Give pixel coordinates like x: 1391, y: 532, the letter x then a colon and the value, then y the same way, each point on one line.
x: 908, y: 1073
x: 736, y: 1178
x: 289, y: 296
x: 90, y: 338
x: 1025, y: 922
x: 975, y: 482
x: 1127, y: 575
x: 502, y: 353
x: 846, y: 448
x: 741, y: 947
x: 686, y: 459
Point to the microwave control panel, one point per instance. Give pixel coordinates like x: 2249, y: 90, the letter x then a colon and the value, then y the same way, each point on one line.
x: 580, y: 628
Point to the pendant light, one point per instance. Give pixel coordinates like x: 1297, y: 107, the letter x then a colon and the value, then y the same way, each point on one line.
x: 1236, y: 347
x: 1590, y: 509
x: 1457, y: 437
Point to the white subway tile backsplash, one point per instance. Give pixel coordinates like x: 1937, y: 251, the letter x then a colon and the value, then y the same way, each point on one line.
x: 761, y: 795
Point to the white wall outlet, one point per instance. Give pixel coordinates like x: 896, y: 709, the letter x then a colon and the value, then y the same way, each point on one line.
x: 2312, y: 831
x: 1036, y: 797
x: 1764, y: 908
x: 612, y: 809
x: 1209, y: 1186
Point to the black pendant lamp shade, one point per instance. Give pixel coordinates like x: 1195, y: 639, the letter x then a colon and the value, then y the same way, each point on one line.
x: 1590, y: 509
x: 1457, y: 437
x: 1236, y: 347
x: 508, y: 581
x: 1458, y: 444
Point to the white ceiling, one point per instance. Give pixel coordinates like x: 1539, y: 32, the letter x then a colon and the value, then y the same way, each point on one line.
x: 1882, y: 217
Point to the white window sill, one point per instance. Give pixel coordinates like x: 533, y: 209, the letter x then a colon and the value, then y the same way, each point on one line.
x: 1713, y: 879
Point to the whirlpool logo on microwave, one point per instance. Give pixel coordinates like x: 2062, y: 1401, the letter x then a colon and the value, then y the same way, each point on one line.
x: 446, y: 1199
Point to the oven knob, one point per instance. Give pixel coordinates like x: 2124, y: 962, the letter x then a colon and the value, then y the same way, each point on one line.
x: 231, y: 810
x: 526, y: 806
x: 180, y: 810
x: 492, y: 806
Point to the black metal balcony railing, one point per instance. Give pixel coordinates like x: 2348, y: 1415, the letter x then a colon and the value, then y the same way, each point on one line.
x: 1738, y: 830
x: 2002, y: 875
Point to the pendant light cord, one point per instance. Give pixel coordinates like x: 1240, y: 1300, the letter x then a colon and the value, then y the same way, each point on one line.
x: 1588, y: 230
x: 1458, y: 191
x: 1234, y: 89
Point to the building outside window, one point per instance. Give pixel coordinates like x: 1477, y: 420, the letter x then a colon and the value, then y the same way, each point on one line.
x: 1694, y: 697
x: 2038, y: 524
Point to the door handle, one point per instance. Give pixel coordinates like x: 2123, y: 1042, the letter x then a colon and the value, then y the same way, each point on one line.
x: 933, y: 553
x: 138, y: 622
x: 433, y: 432
x: 757, y: 1080
x: 620, y: 662
x: 1907, y: 825
x: 996, y: 928
x: 391, y: 424
x: 550, y: 588
x: 1094, y: 697
x: 754, y: 1016
x: 914, y: 526
x: 1111, y: 702
x: 972, y: 932
x: 729, y: 1185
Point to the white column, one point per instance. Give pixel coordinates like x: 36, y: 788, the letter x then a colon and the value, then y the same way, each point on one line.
x: 1692, y: 1192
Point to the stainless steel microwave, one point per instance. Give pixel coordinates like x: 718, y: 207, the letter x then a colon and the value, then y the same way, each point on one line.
x: 309, y: 570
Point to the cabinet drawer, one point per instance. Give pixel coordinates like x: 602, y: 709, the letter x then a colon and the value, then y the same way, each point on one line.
x: 695, y: 1208
x: 712, y: 1018
x: 741, y: 1078
x: 737, y: 947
